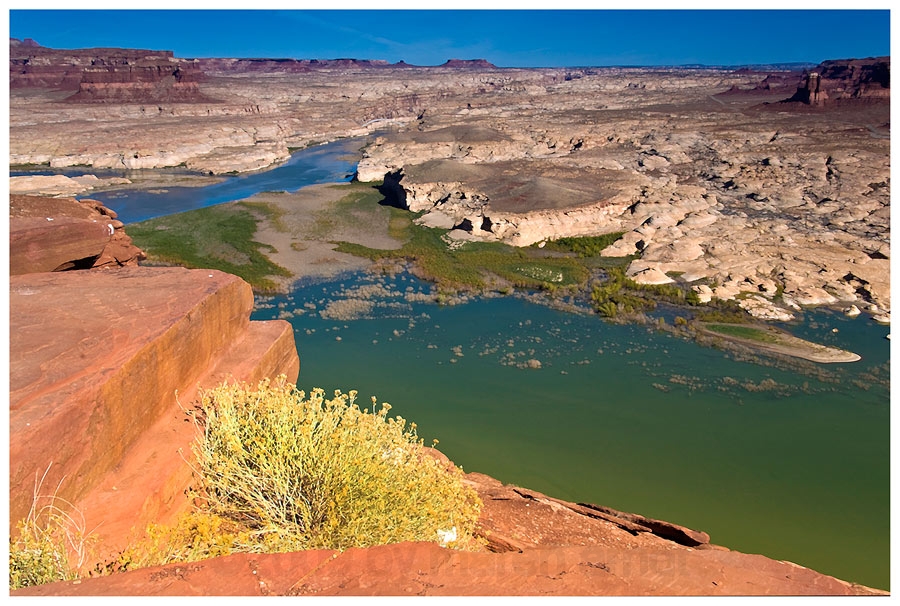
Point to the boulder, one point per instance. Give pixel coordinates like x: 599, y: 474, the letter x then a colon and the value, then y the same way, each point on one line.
x: 56, y: 234
x: 644, y: 272
x: 55, y: 243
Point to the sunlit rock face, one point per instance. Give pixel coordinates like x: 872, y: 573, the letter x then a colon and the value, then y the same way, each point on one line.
x: 100, y: 364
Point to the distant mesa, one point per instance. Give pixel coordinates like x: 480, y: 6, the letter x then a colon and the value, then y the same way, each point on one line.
x: 106, y: 75
x: 283, y: 66
x: 773, y: 83
x: 469, y: 64
x: 15, y: 42
x: 834, y: 83
x: 146, y: 81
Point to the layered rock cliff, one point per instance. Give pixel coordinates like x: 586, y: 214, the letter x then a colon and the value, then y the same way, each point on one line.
x: 106, y: 75
x: 842, y: 82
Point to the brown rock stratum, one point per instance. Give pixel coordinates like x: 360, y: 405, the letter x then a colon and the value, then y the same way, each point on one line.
x: 107, y: 75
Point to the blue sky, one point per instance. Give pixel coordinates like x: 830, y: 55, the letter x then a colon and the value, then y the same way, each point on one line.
x: 508, y: 38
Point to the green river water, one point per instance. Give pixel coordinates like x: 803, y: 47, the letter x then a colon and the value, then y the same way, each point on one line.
x: 792, y: 463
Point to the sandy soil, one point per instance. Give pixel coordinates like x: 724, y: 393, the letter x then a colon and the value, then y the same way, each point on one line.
x: 790, y: 345
x: 309, y: 224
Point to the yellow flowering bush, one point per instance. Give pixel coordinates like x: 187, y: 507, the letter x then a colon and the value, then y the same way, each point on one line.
x: 289, y: 471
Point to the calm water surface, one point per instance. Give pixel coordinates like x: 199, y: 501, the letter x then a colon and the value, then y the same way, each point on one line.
x: 791, y: 463
x: 794, y: 465
x: 331, y: 163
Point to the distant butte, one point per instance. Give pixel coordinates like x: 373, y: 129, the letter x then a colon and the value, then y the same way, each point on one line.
x: 469, y: 64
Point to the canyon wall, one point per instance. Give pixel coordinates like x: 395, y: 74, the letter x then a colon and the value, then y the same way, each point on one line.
x: 842, y: 82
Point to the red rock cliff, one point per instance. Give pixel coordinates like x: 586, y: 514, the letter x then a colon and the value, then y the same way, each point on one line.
x: 106, y: 75
x: 845, y: 81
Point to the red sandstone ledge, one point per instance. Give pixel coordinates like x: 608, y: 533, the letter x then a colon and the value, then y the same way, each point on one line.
x: 96, y: 361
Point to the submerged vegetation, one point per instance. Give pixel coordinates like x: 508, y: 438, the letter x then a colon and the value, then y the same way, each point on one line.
x: 472, y: 265
x: 465, y: 265
x: 221, y: 237
x: 621, y: 295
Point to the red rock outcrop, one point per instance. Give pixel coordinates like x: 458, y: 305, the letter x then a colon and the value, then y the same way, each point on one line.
x: 56, y: 234
x: 98, y: 361
x: 106, y: 75
x: 840, y: 82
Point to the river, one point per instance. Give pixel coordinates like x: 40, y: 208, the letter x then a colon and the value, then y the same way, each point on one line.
x: 331, y: 163
x: 792, y: 463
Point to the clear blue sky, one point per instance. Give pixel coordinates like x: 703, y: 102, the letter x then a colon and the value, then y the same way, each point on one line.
x: 538, y: 38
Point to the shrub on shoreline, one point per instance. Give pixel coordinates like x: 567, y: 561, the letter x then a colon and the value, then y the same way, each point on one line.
x: 279, y: 470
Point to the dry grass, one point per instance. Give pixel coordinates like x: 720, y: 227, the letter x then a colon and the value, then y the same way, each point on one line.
x: 52, y: 543
x: 278, y: 471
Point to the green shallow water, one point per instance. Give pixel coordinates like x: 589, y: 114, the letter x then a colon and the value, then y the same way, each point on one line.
x: 790, y: 463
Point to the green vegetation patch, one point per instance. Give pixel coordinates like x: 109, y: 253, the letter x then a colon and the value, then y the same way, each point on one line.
x: 270, y: 212
x: 742, y: 331
x: 217, y: 237
x: 587, y: 246
x: 471, y: 265
x: 621, y: 295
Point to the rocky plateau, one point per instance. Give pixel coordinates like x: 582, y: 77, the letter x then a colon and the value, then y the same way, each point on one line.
x: 770, y: 187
